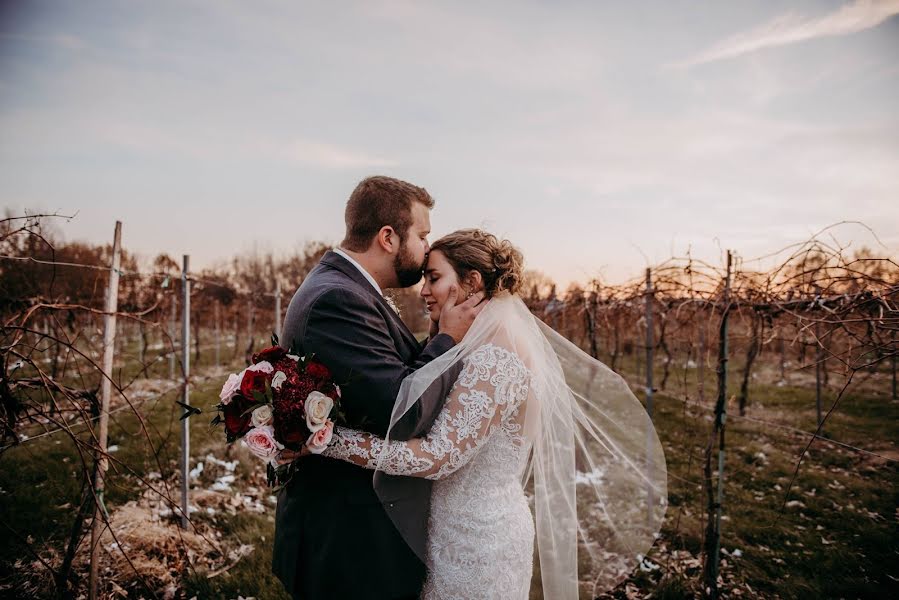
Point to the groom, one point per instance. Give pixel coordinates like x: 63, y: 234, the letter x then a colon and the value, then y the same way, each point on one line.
x: 333, y: 538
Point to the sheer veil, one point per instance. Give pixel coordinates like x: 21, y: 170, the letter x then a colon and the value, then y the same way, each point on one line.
x: 596, y: 470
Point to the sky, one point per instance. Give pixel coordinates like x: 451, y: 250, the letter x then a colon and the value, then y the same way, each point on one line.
x: 596, y: 136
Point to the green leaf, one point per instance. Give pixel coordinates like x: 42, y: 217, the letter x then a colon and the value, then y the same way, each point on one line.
x: 188, y: 410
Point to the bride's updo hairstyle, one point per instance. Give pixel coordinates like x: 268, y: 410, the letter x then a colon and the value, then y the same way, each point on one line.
x: 498, y: 261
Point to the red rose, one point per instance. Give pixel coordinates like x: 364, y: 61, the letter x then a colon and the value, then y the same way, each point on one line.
x: 253, y: 381
x: 237, y: 417
x: 318, y: 371
x: 291, y: 435
x: 289, y: 419
x: 272, y: 355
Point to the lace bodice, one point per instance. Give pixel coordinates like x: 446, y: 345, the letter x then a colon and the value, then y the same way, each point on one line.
x: 487, y: 398
x: 480, y: 530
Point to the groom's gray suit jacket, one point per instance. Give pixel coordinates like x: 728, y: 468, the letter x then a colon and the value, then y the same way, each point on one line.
x: 333, y: 538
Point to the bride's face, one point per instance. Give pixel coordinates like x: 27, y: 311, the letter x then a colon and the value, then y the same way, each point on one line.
x: 439, y: 277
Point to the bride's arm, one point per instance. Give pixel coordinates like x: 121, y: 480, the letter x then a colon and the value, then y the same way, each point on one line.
x: 492, y: 383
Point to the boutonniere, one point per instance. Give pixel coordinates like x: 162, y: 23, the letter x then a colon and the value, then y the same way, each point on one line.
x: 392, y: 304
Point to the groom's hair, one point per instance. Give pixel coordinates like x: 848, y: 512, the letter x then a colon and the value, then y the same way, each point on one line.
x: 378, y: 201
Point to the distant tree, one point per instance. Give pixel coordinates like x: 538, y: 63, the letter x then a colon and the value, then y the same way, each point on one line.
x: 536, y: 286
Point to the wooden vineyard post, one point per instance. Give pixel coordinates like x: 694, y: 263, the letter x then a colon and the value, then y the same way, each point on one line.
x: 715, y: 498
x: 101, y: 462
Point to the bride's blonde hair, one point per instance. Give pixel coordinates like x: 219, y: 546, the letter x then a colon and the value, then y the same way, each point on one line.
x: 498, y: 261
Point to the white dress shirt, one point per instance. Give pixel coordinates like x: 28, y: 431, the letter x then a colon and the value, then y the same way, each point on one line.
x: 362, y: 270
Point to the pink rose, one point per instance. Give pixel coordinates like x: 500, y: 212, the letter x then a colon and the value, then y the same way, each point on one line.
x: 231, y: 387
x: 264, y: 367
x: 321, y: 438
x: 261, y: 442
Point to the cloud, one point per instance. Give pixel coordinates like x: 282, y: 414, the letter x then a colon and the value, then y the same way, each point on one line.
x: 329, y: 156
x: 790, y: 29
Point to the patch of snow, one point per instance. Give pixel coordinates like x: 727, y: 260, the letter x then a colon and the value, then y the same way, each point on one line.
x: 227, y: 465
x: 646, y: 565
x: 195, y: 472
x: 594, y: 477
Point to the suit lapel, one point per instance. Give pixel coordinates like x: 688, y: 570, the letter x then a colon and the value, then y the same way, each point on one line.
x: 336, y: 261
x: 402, y: 326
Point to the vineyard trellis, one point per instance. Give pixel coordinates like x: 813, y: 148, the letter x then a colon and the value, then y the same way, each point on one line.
x: 816, y: 297
x: 65, y: 399
x: 845, y: 307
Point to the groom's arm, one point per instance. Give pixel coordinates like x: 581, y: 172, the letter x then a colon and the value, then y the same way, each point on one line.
x: 348, y: 334
x: 417, y: 422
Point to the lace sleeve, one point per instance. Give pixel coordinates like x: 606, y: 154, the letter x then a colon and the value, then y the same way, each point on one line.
x: 490, y: 388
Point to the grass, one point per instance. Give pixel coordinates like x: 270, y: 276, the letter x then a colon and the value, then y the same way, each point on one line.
x: 832, y: 536
x: 40, y: 483
x: 252, y: 576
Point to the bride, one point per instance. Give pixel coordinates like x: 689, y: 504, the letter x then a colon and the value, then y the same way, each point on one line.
x: 536, y: 441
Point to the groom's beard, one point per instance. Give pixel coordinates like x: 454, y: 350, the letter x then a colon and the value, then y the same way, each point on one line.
x: 408, y: 270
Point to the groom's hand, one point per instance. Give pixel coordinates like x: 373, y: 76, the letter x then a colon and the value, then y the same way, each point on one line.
x: 434, y: 329
x: 287, y: 456
x: 456, y: 319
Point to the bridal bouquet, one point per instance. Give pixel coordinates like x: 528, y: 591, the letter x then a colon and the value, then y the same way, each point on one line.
x: 280, y: 401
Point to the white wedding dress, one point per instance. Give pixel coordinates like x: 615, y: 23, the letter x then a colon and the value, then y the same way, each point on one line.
x: 526, y: 404
x: 480, y: 531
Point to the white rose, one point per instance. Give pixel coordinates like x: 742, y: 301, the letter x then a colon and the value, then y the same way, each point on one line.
x: 262, y: 415
x: 278, y: 379
x: 318, y: 408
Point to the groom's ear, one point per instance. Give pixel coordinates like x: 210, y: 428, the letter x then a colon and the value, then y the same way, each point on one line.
x: 388, y: 239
